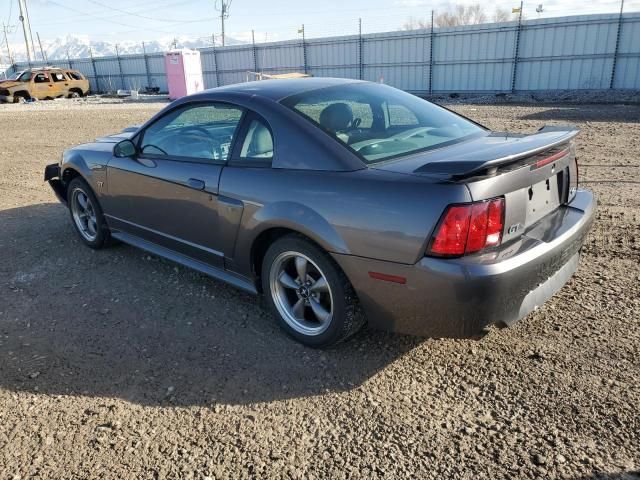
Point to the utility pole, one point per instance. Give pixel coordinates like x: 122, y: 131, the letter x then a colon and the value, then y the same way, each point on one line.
x: 6, y: 42
x: 93, y: 67
x: 33, y: 45
x: 44, y: 57
x: 225, y: 5
x: 25, y: 28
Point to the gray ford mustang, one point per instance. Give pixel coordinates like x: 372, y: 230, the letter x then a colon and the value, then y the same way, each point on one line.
x: 344, y: 202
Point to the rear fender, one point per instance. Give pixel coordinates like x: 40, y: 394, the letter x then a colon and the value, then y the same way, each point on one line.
x: 288, y: 215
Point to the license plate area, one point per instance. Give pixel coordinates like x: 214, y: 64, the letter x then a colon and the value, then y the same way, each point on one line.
x: 543, y: 198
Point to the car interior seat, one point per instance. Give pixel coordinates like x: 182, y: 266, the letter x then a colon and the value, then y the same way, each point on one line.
x: 337, y: 118
x: 261, y: 143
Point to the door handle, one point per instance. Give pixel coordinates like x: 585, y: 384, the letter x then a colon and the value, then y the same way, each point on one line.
x: 195, y: 184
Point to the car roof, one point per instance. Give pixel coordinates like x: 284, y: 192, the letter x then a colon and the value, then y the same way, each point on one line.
x: 281, y: 88
x: 46, y: 69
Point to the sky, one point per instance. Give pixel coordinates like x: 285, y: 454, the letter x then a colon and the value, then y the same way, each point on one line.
x: 271, y: 20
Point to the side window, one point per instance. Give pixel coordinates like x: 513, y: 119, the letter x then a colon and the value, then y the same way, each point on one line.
x: 58, y: 77
x: 202, y: 131
x: 75, y: 75
x: 401, y: 116
x: 25, y: 77
x: 41, y: 78
x: 258, y: 143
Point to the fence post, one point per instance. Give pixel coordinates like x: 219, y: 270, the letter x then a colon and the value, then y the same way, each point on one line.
x: 304, y: 51
x: 615, y: 52
x: 146, y: 65
x: 516, y: 51
x: 69, y: 60
x: 253, y: 51
x: 215, y: 61
x: 360, y: 54
x: 432, y: 37
x: 120, y: 68
x: 93, y: 67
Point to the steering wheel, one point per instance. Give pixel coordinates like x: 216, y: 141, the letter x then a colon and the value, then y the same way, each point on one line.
x: 202, y: 136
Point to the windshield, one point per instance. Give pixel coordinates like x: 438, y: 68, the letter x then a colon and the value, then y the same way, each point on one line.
x: 378, y: 122
x: 22, y: 76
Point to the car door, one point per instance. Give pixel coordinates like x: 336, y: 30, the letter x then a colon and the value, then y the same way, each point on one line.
x: 60, y: 83
x: 42, y: 86
x: 247, y: 170
x: 168, y: 193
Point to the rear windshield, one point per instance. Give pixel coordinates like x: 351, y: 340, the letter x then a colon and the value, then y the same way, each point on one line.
x: 378, y: 122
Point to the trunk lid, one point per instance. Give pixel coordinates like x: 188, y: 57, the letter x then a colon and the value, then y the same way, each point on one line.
x: 535, y: 174
x: 481, y: 153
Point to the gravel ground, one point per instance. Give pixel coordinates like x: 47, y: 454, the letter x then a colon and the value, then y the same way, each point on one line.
x: 117, y: 364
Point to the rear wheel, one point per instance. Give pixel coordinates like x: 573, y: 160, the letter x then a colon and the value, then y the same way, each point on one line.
x: 74, y: 94
x: 308, y: 293
x: 86, y: 214
x: 20, y: 97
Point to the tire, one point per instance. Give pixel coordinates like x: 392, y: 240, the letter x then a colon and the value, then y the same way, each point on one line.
x: 74, y: 94
x: 89, y: 222
x: 330, y: 310
x: 19, y: 97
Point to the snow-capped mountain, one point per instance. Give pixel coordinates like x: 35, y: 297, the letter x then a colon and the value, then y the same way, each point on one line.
x: 77, y: 46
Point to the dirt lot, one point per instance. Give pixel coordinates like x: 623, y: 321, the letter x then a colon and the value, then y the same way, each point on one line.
x: 116, y: 364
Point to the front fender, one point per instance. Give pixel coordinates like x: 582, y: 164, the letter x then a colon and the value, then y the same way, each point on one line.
x: 91, y: 166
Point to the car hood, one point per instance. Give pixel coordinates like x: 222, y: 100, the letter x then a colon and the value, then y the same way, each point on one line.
x: 9, y: 83
x: 118, y: 137
x: 479, y: 153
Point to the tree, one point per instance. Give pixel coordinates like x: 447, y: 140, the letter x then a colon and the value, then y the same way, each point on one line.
x: 458, y: 15
x: 501, y: 15
x: 416, y: 24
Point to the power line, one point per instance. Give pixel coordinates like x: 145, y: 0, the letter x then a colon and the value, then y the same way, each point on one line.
x: 108, y: 20
x: 137, y: 14
x: 157, y: 5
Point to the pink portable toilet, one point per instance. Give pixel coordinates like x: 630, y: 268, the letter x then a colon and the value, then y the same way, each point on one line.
x: 184, y: 72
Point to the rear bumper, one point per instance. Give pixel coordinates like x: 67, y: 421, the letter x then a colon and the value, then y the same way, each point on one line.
x: 459, y: 297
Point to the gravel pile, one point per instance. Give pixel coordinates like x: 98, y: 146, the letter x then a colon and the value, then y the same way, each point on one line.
x: 117, y: 364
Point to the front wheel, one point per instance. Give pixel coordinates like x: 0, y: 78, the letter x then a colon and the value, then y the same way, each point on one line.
x: 86, y: 214
x: 308, y: 293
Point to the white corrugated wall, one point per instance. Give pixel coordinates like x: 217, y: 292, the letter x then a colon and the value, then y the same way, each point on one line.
x: 577, y: 52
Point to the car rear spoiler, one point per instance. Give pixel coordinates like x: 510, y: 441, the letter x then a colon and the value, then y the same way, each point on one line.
x: 488, y: 160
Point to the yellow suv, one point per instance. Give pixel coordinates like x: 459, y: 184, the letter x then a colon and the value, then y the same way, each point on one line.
x: 44, y: 84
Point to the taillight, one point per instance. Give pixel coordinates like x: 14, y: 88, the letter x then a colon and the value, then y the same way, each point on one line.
x: 453, y: 231
x: 469, y: 228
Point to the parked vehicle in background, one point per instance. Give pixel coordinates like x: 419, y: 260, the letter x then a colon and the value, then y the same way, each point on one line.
x: 44, y: 84
x: 341, y: 200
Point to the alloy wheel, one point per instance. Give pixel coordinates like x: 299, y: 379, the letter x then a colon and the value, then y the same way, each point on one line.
x: 84, y: 215
x: 301, y: 293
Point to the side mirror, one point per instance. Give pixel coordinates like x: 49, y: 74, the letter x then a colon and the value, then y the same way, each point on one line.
x: 125, y: 148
